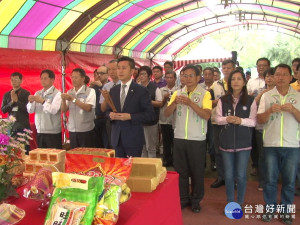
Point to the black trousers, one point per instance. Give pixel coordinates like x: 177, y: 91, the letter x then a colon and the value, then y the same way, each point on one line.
x: 189, y: 161
x: 167, y: 133
x: 218, y: 155
x: 82, y: 139
x: 254, y: 150
x: 101, y: 140
x: 49, y: 140
x: 125, y: 151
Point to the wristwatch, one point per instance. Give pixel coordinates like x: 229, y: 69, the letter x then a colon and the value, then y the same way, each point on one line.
x: 74, y: 100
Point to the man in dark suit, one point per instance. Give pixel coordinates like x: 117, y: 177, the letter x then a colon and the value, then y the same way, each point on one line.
x: 134, y: 108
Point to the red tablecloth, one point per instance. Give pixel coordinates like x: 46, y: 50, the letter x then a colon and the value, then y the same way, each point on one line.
x: 162, y: 206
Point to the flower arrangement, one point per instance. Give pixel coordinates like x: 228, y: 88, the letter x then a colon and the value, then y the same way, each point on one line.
x: 11, y: 152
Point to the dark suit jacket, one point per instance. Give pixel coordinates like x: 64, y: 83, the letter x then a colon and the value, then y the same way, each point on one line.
x: 138, y: 104
x: 21, y: 115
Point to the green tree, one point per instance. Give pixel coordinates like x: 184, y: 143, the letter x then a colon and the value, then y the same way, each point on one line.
x: 254, y: 44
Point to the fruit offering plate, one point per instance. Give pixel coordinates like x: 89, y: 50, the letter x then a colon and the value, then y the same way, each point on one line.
x: 10, y: 214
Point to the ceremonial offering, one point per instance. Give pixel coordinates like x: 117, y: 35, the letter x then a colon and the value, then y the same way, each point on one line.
x: 93, y: 151
x: 125, y: 195
x: 53, y: 159
x: 146, y: 174
x: 40, y: 186
x: 115, y: 170
x: 107, y: 210
x: 74, y: 199
x: 10, y: 214
x: 108, y: 100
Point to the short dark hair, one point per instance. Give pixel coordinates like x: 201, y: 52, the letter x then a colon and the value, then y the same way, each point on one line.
x: 169, y: 63
x: 248, y: 72
x: 282, y: 65
x: 192, y: 67
x: 50, y: 73
x: 158, y: 67
x: 87, y: 80
x: 225, y: 62
x: 240, y: 68
x: 80, y: 71
x: 270, y: 71
x: 113, y: 61
x: 145, y: 68
x: 17, y: 74
x: 264, y: 59
x: 217, y: 70
x: 210, y: 69
x: 298, y: 67
x: 199, y: 66
x: 171, y: 72
x: 128, y: 59
x: 296, y: 60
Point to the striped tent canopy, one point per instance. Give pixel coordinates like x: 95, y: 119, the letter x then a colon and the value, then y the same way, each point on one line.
x: 181, y: 63
x: 137, y: 28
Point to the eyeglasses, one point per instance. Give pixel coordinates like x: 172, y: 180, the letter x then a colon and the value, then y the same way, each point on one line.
x: 101, y: 73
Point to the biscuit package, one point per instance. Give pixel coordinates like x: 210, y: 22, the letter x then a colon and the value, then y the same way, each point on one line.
x: 74, y: 199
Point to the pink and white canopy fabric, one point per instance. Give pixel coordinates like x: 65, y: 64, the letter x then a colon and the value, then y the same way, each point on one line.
x: 138, y: 28
x: 181, y: 63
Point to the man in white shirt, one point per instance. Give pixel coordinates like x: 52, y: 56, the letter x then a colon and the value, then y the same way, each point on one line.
x: 80, y: 101
x: 166, y: 123
x: 255, y: 86
x: 208, y: 75
x: 218, y: 89
x: 46, y: 104
x: 279, y: 111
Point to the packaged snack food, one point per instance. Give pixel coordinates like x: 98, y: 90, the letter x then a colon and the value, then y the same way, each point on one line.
x: 107, y: 210
x: 67, y: 212
x: 115, y: 170
x: 74, y: 199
